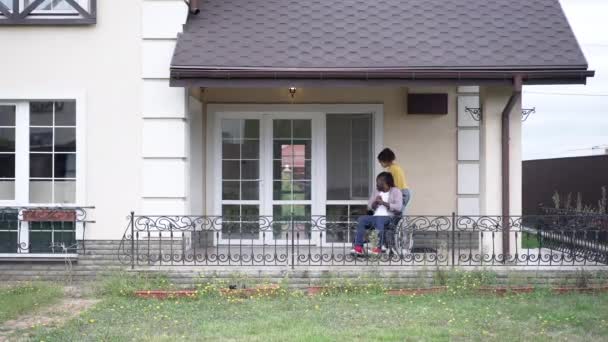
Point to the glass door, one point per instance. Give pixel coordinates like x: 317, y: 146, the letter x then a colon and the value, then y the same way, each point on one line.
x: 292, y: 177
x: 267, y: 178
x: 278, y: 174
x: 240, y: 179
x: 349, y: 174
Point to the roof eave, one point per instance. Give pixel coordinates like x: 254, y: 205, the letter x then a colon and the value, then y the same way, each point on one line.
x: 273, y: 77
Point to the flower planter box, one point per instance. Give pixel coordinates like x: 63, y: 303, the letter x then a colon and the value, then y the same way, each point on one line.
x: 572, y: 289
x: 165, y: 294
x: 503, y: 290
x: 418, y: 291
x: 316, y: 290
x: 263, y: 290
x: 49, y: 215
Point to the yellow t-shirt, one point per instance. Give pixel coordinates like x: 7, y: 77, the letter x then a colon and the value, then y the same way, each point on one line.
x: 398, y: 176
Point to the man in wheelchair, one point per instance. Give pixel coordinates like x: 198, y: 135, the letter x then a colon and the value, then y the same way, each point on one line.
x: 386, y: 203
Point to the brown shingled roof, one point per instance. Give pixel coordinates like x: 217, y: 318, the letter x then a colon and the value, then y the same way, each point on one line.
x: 388, y: 40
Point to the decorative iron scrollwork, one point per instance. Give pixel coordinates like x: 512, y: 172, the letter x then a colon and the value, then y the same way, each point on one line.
x: 550, y: 240
x: 525, y: 113
x: 474, y: 112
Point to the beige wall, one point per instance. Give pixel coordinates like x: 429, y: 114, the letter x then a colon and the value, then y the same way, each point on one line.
x: 425, y: 144
x: 102, y: 62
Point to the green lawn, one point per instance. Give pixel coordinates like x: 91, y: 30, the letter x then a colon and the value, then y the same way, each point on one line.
x: 345, y: 317
x: 18, y: 300
x: 529, y: 240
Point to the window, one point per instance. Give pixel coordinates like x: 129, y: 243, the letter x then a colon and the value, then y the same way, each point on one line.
x: 48, y: 12
x: 52, y: 152
x: 7, y: 151
x: 292, y: 177
x: 39, y: 139
x: 349, y: 149
x: 349, y: 172
x: 240, y: 178
x: 49, y: 6
x: 52, y: 237
x: 7, y: 3
x: 38, y: 167
x: 9, y: 230
x: 56, y: 6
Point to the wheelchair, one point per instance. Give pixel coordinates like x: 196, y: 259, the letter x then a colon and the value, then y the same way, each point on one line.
x: 398, y: 235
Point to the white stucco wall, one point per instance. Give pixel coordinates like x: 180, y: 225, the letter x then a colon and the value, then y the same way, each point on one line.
x: 100, y: 64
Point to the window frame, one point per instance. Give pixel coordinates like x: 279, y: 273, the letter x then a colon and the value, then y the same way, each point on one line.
x: 85, y: 4
x: 22, y: 148
x: 53, y: 179
x: 14, y: 178
x: 86, y: 15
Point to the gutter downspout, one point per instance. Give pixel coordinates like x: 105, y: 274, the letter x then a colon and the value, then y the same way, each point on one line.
x: 506, y: 174
x: 193, y: 6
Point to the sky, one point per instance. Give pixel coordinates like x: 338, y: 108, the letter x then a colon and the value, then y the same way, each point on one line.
x: 571, y: 119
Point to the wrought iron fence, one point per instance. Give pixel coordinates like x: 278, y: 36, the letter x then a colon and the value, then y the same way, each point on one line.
x: 43, y: 230
x: 450, y: 240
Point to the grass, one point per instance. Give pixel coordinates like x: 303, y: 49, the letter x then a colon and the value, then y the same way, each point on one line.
x: 342, y: 316
x: 529, y: 240
x: 25, y: 298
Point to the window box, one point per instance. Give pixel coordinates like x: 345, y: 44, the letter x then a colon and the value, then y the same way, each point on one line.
x: 49, y: 215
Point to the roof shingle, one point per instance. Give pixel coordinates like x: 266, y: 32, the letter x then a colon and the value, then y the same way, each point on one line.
x: 426, y: 34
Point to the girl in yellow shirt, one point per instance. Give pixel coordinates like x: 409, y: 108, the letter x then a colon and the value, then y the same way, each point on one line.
x: 387, y: 160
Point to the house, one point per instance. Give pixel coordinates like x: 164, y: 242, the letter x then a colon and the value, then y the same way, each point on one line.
x: 263, y: 108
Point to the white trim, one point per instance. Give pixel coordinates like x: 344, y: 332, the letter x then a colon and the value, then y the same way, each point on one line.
x: 81, y: 155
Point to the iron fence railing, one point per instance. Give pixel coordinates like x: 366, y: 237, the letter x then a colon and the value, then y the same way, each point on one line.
x: 294, y: 241
x: 43, y: 230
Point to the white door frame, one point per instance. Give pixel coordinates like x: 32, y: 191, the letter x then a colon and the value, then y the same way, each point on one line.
x: 216, y: 112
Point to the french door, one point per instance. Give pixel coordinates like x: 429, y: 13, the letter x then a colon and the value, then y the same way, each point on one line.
x: 268, y: 176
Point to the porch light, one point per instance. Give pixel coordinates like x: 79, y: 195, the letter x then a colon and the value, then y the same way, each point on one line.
x: 292, y: 91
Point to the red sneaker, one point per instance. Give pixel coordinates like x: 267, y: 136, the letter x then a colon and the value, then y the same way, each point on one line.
x: 358, y: 250
x: 376, y: 250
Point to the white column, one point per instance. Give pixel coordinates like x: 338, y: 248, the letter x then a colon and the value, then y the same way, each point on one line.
x: 493, y: 101
x: 165, y: 121
x: 468, y: 152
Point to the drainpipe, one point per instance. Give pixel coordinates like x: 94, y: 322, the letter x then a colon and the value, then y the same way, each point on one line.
x: 506, y: 174
x: 193, y: 6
